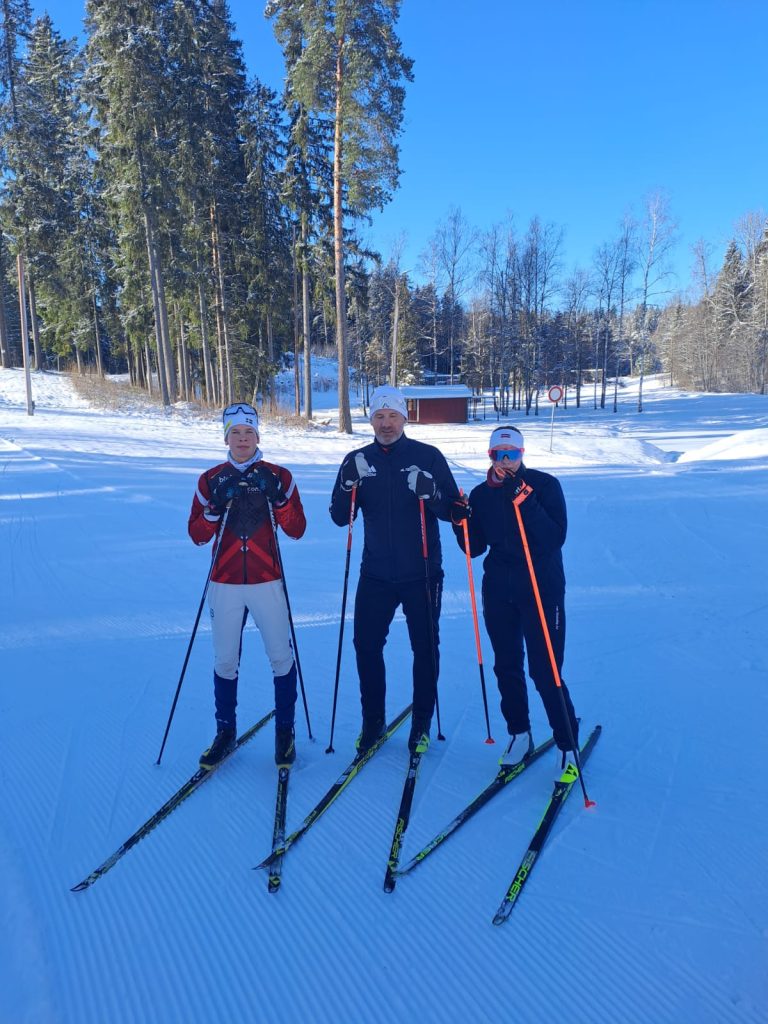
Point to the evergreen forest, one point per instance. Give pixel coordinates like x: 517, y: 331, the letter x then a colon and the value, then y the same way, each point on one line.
x: 166, y: 216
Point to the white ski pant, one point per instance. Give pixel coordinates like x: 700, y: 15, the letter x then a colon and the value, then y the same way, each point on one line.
x: 229, y: 604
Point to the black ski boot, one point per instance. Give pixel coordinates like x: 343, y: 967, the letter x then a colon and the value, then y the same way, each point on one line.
x: 224, y: 743
x: 373, y: 729
x: 285, y: 746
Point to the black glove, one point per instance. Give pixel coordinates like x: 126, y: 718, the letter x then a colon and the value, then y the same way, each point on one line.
x: 422, y: 483
x: 223, y: 490
x: 460, y: 510
x: 517, y: 489
x: 271, y: 486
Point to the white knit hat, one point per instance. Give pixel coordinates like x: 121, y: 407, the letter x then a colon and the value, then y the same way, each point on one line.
x: 506, y: 437
x: 387, y: 397
x: 240, y: 414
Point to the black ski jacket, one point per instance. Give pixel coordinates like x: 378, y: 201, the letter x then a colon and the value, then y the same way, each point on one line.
x: 392, y: 547
x: 493, y: 524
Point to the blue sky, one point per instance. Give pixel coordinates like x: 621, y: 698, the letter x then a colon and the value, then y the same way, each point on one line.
x: 572, y: 112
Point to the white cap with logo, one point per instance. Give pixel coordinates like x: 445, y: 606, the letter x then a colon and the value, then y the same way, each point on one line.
x: 387, y: 397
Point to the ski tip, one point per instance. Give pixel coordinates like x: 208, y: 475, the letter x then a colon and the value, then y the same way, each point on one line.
x: 80, y: 887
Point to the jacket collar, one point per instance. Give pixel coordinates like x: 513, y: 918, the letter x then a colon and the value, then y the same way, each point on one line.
x: 390, y: 447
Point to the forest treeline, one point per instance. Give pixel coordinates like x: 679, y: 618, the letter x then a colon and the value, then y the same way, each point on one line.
x: 164, y: 215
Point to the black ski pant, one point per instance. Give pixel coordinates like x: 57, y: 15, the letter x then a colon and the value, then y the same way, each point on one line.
x: 375, y: 606
x: 512, y: 620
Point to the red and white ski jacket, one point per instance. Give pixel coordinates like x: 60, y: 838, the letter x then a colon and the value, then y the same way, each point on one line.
x: 248, y: 550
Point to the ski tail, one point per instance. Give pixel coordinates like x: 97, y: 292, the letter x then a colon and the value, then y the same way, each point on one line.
x: 403, y: 818
x: 560, y: 793
x: 503, y: 778
x: 175, y: 801
x: 278, y: 831
x: 353, y: 769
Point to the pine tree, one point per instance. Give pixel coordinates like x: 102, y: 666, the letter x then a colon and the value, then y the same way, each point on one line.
x: 128, y: 82
x: 14, y: 28
x: 350, y: 73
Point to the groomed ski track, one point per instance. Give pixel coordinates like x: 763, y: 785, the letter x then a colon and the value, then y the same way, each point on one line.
x: 650, y: 909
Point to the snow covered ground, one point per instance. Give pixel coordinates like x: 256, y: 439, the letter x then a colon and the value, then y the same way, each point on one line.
x: 651, y: 908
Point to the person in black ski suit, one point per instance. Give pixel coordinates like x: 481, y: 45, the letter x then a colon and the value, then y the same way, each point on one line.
x: 392, y: 474
x: 509, y: 604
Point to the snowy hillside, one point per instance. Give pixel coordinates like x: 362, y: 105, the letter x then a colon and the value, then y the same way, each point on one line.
x: 650, y: 908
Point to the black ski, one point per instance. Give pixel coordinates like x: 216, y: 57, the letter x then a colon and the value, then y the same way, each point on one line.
x: 560, y: 794
x: 278, y: 832
x: 336, y: 790
x: 504, y: 776
x: 189, y: 787
x: 403, y: 817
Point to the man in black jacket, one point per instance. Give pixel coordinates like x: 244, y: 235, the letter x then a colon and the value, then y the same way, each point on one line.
x: 509, y: 604
x: 393, y: 476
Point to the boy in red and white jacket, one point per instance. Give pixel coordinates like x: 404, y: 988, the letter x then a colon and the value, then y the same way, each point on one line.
x: 235, y: 499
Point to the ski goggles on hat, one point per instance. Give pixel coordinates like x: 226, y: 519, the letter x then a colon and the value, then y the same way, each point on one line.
x: 240, y: 407
x: 499, y: 454
x: 240, y: 414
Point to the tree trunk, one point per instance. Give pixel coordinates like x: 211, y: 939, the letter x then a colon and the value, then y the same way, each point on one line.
x: 148, y: 366
x: 165, y: 334
x: 36, y: 348
x: 24, y: 334
x: 226, y: 363
x: 306, y: 311
x: 184, y: 379
x: 296, y: 328
x: 210, y: 379
x: 5, y: 352
x: 156, y: 306
x: 395, y: 326
x: 97, y: 339
x: 345, y: 418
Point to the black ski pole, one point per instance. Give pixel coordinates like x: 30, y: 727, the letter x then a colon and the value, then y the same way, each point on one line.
x: 473, y: 603
x: 553, y: 660
x: 290, y: 619
x: 352, y: 499
x: 214, y: 560
x: 430, y: 610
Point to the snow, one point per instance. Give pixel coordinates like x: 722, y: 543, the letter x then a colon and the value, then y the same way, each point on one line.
x: 652, y: 907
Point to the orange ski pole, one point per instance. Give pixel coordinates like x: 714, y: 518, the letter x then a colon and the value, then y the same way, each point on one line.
x: 545, y: 629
